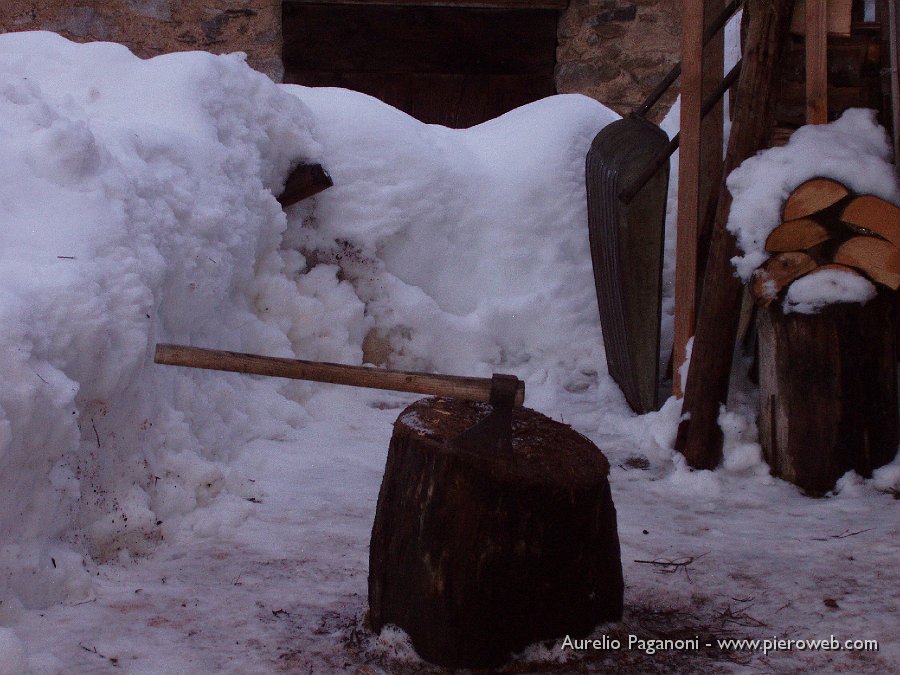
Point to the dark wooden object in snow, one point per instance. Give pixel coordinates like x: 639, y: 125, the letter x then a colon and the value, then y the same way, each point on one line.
x: 828, y: 390
x: 699, y: 436
x: 304, y: 181
x: 475, y: 552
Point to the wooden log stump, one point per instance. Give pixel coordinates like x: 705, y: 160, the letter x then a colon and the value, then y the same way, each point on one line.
x: 476, y: 553
x: 828, y: 390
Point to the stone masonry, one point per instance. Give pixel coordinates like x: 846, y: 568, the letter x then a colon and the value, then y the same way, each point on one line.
x: 151, y: 27
x: 617, y: 50
x: 612, y: 50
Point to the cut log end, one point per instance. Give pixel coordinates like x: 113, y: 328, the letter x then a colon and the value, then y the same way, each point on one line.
x: 878, y: 259
x: 869, y: 214
x: 813, y: 196
x: 476, y: 554
x: 796, y: 235
x: 777, y: 273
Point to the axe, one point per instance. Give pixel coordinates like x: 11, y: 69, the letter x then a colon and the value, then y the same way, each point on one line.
x: 502, y: 392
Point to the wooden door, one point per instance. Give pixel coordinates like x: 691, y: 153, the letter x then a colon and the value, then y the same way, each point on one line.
x: 451, y: 65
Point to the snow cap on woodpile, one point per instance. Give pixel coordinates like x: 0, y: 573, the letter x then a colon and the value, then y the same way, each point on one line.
x: 853, y: 150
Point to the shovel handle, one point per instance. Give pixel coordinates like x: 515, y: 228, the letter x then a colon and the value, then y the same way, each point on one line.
x: 452, y: 386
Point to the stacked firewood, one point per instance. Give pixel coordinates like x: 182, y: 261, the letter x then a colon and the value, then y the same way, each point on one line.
x: 825, y: 226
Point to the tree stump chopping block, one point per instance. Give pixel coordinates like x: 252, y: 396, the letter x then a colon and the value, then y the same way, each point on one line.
x: 828, y: 390
x: 477, y: 553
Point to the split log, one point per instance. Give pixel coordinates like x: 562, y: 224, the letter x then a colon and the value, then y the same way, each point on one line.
x: 777, y: 273
x: 815, y: 195
x: 796, y: 235
x: 828, y: 390
x: 879, y: 259
x: 304, y: 181
x: 869, y: 214
x: 476, y: 553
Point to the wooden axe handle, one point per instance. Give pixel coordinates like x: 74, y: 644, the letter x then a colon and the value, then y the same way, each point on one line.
x: 452, y: 386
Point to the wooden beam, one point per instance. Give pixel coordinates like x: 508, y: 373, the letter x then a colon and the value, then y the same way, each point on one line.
x: 893, y: 35
x: 711, y: 138
x: 816, y: 62
x: 688, y: 181
x: 699, y: 436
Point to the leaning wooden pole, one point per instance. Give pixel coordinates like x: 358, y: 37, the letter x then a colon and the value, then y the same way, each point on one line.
x: 689, y: 182
x: 699, y: 437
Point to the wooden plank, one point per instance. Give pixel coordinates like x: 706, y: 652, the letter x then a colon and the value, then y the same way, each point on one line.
x: 383, y: 39
x: 456, y: 67
x: 791, y: 106
x: 711, y: 139
x: 816, y: 62
x: 893, y: 32
x: 839, y: 17
x: 699, y: 436
x: 689, y: 167
x: 490, y: 4
x: 828, y: 391
x: 848, y: 64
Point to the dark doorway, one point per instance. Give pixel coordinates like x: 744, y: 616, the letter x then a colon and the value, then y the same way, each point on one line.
x: 451, y: 65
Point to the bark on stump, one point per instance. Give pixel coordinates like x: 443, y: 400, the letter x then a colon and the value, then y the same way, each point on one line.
x: 828, y: 390
x: 477, y: 553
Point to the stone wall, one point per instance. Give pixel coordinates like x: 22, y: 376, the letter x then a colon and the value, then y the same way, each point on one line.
x: 617, y: 50
x: 612, y: 50
x: 151, y: 27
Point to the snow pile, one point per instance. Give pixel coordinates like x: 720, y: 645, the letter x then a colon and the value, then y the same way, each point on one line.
x: 135, y: 200
x: 853, y: 150
x: 811, y: 293
x: 468, y: 247
x: 137, y: 207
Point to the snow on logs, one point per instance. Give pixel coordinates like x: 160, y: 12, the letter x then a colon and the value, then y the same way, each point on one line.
x: 478, y: 552
x: 823, y: 225
x: 828, y: 366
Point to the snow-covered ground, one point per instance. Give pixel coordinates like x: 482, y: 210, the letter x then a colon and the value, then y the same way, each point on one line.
x: 163, y: 520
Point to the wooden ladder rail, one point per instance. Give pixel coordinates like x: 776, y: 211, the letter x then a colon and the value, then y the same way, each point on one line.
x: 699, y: 164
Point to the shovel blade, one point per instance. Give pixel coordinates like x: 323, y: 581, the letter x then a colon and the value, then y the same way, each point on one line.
x: 626, y: 243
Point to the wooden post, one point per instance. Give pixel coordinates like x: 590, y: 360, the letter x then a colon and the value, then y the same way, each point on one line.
x: 816, y: 62
x: 699, y: 165
x: 711, y: 143
x: 688, y: 181
x: 699, y: 436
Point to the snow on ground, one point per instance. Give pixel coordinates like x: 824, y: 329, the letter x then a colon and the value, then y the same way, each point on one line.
x: 157, y: 519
